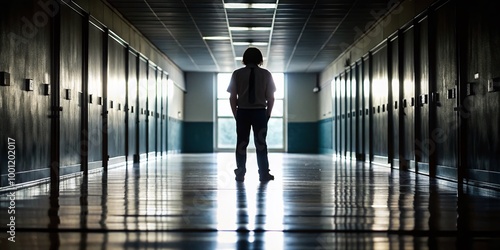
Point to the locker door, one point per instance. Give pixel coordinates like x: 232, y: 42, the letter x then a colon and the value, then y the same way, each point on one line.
x: 26, y: 126
x: 359, y: 97
x: 408, y: 119
x: 347, y: 110
x: 444, y: 91
x: 71, y: 83
x: 367, y: 114
x: 422, y: 135
x: 334, y: 115
x: 353, y: 112
x: 132, y: 104
x: 483, y: 117
x: 159, y: 96
x: 342, y: 121
x: 338, y: 97
x: 398, y: 104
x: 380, y: 87
x: 96, y: 98
x: 142, y: 108
x: 132, y: 107
x: 117, y: 64
x: 151, y: 111
x: 163, y: 114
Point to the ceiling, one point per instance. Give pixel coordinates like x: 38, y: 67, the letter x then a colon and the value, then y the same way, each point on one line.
x: 294, y: 36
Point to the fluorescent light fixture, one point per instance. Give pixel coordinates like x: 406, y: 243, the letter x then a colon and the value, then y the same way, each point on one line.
x: 250, y: 28
x: 250, y: 44
x: 250, y: 6
x: 240, y: 58
x: 216, y: 38
x: 260, y: 28
x: 239, y: 28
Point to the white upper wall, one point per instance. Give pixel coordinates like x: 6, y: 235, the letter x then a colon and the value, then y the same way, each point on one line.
x: 302, y: 101
x: 175, y: 101
x: 199, y: 101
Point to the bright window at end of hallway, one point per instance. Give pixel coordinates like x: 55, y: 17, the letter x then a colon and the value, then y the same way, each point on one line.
x: 226, y: 125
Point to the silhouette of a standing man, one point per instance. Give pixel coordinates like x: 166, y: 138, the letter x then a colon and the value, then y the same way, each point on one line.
x: 252, y: 98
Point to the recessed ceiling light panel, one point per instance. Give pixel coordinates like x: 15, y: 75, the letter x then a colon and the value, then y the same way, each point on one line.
x: 250, y: 6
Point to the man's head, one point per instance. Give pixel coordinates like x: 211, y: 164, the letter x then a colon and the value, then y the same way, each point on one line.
x: 252, y: 56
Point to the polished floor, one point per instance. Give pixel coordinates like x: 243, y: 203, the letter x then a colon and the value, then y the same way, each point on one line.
x: 193, y: 202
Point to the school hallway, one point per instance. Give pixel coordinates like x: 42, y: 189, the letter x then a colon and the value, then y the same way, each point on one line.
x: 118, y: 131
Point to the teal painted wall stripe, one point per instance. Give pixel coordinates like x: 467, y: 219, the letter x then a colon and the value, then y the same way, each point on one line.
x: 175, y: 128
x: 198, y: 137
x: 325, y: 136
x: 303, y: 137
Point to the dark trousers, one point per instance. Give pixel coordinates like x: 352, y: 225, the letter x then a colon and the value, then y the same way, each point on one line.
x: 256, y: 119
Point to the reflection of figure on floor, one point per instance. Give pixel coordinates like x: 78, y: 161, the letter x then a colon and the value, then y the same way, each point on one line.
x: 246, y: 240
x: 252, y: 98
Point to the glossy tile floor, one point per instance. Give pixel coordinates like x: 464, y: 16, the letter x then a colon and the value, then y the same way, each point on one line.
x: 193, y: 202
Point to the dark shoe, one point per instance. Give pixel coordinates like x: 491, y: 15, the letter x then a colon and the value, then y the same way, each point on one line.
x: 240, y: 178
x: 266, y: 177
x: 240, y: 175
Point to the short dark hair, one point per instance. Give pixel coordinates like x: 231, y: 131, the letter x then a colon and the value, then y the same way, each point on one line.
x: 252, y: 55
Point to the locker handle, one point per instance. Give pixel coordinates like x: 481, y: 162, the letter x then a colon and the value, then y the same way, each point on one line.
x: 435, y: 97
x: 423, y: 100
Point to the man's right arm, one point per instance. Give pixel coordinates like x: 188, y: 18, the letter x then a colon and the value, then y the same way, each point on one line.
x: 233, y: 98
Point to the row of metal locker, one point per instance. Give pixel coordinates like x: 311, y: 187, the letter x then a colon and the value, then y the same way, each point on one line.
x: 102, y: 102
x: 411, y: 102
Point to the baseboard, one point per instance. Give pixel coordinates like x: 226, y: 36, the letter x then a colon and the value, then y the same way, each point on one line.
x: 350, y: 155
x: 402, y: 164
x: 423, y: 168
x: 66, y: 170
x: 447, y: 173
x: 39, y: 176
x: 117, y: 160
x: 412, y: 165
x: 23, y: 178
x: 151, y: 155
x: 360, y: 157
x: 484, y: 178
x: 95, y: 165
x: 381, y: 160
x: 368, y: 158
x: 326, y: 151
x: 395, y: 163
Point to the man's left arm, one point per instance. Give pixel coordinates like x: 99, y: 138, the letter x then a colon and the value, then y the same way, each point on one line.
x: 233, y: 100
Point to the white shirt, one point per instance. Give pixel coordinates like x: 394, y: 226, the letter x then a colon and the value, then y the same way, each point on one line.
x: 264, y: 86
